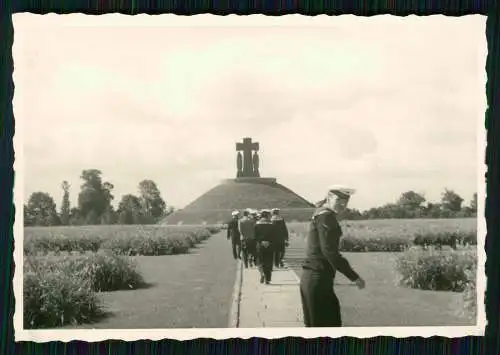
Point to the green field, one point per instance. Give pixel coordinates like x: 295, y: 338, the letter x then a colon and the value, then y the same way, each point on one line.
x: 384, y: 302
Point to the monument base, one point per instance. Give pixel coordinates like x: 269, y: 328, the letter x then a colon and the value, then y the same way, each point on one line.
x: 253, y: 180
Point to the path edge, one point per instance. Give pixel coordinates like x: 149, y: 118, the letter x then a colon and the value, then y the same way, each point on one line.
x: 234, y: 313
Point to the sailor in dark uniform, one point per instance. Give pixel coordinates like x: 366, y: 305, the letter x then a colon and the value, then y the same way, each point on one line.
x: 264, y: 236
x: 319, y: 303
x: 233, y: 233
x: 281, y: 237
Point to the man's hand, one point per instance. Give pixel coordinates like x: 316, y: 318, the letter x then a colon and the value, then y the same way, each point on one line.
x: 360, y: 283
x: 287, y: 244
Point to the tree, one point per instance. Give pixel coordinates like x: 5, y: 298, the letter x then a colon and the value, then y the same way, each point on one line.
x: 41, y: 210
x: 451, y: 201
x: 411, y: 200
x: 65, y: 205
x: 75, y: 217
x: 130, y: 210
x: 473, y: 203
x: 154, y: 207
x: 95, y: 196
x: 432, y: 210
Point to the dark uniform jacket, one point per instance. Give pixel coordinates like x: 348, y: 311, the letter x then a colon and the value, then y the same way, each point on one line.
x: 233, y: 231
x: 264, y: 231
x: 322, y: 251
x: 280, y: 229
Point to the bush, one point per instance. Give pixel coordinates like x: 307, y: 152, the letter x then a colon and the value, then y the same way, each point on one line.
x: 62, y: 243
x: 153, y: 245
x: 437, y: 271
x: 469, y: 296
x: 53, y: 299
x: 374, y: 244
x: 101, y: 271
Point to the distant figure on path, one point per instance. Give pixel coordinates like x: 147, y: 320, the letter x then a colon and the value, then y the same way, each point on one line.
x: 281, y: 237
x: 246, y: 226
x: 233, y: 233
x: 320, y: 305
x: 264, y: 235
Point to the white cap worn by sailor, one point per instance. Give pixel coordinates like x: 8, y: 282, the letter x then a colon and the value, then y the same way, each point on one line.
x: 235, y: 213
x: 341, y: 190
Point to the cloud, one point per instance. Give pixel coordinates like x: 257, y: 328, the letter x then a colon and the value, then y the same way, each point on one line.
x: 386, y: 104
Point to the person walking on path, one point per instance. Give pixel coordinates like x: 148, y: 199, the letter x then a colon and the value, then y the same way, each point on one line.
x: 246, y: 226
x: 281, y: 237
x: 320, y: 305
x: 264, y: 235
x: 233, y: 233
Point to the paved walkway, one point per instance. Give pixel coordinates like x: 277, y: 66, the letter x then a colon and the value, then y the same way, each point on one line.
x: 276, y: 305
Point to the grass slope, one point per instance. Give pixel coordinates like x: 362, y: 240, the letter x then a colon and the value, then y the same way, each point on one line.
x: 187, y: 291
x: 215, y: 206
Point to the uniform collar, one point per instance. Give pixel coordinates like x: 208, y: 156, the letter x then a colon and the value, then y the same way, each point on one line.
x: 321, y: 210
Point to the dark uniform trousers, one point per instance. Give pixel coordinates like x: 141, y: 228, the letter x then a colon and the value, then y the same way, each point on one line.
x: 320, y: 305
x: 264, y: 232
x: 281, y: 237
x: 234, y: 234
x: 248, y: 249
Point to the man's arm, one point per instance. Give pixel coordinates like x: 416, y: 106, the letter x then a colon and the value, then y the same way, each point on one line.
x: 229, y: 230
x: 285, y: 230
x: 329, y: 233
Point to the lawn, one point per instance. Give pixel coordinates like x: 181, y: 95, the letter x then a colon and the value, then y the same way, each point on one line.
x: 384, y: 302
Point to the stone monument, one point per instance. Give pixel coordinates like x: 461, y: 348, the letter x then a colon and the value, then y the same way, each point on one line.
x: 248, y: 161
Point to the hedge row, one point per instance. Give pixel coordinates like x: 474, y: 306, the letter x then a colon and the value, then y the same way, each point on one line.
x: 389, y: 244
x: 401, y: 243
x: 130, y: 242
x: 446, y: 238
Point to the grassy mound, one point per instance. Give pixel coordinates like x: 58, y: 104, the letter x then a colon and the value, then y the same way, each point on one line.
x: 215, y: 206
x: 437, y: 271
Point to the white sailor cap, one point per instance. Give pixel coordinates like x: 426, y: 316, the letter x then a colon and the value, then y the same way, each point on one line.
x: 275, y: 210
x: 265, y: 211
x: 341, y: 190
x: 235, y: 213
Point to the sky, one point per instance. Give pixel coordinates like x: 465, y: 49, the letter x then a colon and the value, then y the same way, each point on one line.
x: 382, y: 104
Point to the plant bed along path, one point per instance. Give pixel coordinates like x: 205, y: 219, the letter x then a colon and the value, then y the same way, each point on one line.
x: 383, y: 302
x: 185, y: 291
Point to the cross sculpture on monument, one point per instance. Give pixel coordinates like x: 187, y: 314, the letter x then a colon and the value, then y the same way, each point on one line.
x: 250, y: 164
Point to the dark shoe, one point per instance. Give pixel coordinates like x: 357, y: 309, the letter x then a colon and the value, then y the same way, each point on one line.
x: 262, y: 279
x: 268, y: 282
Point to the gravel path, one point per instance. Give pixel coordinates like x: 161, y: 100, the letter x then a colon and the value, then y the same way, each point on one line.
x: 187, y: 291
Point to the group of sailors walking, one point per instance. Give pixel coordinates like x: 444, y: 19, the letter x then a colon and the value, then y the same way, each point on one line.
x: 259, y: 238
x: 262, y: 240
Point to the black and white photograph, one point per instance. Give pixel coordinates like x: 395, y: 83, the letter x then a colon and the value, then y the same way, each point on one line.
x: 240, y: 176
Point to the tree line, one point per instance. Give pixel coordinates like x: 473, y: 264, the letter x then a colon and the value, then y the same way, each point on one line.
x: 94, y: 205
x: 414, y: 205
